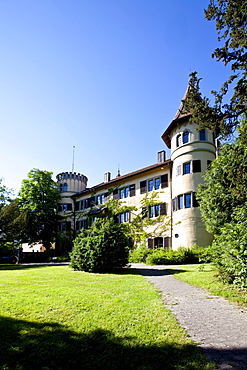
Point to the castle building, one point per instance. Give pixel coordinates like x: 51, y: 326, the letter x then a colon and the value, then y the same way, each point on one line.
x: 173, y: 182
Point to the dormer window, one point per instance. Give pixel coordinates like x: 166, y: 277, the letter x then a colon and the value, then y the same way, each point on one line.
x: 185, y: 137
x: 179, y: 140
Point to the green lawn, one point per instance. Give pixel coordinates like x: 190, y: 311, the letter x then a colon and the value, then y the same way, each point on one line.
x: 205, y: 276
x: 57, y: 318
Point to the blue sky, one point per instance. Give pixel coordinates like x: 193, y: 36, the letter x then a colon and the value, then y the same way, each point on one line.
x: 105, y: 76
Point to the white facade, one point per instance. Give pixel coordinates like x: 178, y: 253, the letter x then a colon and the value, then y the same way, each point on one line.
x: 174, y: 181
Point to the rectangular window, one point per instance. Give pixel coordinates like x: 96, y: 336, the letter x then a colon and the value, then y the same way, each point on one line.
x: 164, y: 181
x: 77, y: 206
x: 115, y: 194
x: 186, y: 168
x: 126, y: 192
x: 121, y: 193
x: 174, y: 204
x: 208, y: 164
x: 157, y: 210
x: 150, y: 243
x: 180, y: 202
x: 196, y: 165
x: 150, y: 185
x: 157, y: 183
x: 187, y: 200
x: 151, y: 211
x: 202, y: 135
x: 143, y: 187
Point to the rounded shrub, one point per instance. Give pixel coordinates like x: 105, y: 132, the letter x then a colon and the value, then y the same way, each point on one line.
x: 139, y: 254
x: 102, y: 248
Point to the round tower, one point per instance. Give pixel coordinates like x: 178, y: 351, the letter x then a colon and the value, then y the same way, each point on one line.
x: 191, y: 153
x: 70, y: 183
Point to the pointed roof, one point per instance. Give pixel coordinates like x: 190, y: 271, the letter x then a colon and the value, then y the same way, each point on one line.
x: 179, y: 117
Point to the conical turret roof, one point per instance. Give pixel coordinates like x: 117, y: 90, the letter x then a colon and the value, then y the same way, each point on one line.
x: 180, y: 116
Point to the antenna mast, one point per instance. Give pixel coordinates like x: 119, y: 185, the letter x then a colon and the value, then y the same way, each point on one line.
x: 73, y: 160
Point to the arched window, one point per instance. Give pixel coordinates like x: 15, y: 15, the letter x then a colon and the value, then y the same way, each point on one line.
x: 65, y: 186
x: 185, y: 137
x: 178, y: 140
x: 202, y: 135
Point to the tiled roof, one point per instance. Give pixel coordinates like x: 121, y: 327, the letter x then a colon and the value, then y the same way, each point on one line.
x: 120, y: 178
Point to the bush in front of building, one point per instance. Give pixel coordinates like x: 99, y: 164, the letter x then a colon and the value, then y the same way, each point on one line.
x: 162, y: 256
x: 139, y: 254
x: 104, y: 247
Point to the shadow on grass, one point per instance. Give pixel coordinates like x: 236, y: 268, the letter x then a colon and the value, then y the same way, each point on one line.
x: 30, y: 266
x: 153, y: 271
x: 26, y: 345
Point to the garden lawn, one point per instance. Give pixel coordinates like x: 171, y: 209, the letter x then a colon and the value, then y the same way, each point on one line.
x: 205, y: 276
x: 57, y: 318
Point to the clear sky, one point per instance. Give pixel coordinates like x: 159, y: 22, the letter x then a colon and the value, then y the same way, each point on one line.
x: 105, y: 76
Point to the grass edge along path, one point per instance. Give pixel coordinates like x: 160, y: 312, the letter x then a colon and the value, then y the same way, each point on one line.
x: 57, y: 318
x: 205, y: 276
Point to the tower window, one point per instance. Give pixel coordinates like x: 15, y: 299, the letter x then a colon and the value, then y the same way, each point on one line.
x: 202, y: 135
x: 185, y: 137
x: 187, y: 200
x: 180, y: 202
x: 178, y: 140
x: 186, y: 168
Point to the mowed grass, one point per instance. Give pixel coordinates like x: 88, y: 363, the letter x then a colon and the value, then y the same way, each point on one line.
x: 57, y: 318
x: 205, y: 276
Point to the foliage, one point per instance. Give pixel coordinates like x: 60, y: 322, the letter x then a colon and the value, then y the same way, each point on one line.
x: 162, y: 256
x: 230, y: 254
x: 223, y: 194
x: 102, y: 248
x: 38, y: 199
x: 139, y: 254
x: 12, y: 222
x: 231, y: 24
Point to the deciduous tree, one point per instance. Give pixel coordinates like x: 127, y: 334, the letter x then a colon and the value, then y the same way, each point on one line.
x: 38, y: 199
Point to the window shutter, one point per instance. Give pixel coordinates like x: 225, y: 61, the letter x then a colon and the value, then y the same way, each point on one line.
x: 143, y: 186
x: 77, y: 206
x: 106, y: 197
x: 92, y: 201
x: 174, y: 204
x: 117, y: 219
x: 150, y: 243
x: 194, y: 200
x: 163, y: 209
x: 164, y: 181
x: 166, y: 242
x: 196, y: 165
x: 69, y: 207
x: 144, y: 212
x: 132, y: 190
x: 115, y: 194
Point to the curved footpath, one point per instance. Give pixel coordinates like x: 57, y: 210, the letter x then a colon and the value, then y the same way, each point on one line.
x: 218, y: 326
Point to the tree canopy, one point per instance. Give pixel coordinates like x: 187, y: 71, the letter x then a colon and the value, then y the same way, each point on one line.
x: 38, y: 199
x: 230, y: 17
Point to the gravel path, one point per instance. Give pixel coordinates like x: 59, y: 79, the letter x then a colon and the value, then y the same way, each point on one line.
x: 219, y: 327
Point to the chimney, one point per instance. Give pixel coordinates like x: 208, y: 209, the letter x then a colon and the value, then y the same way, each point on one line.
x: 107, y: 176
x: 161, y: 156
